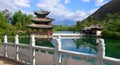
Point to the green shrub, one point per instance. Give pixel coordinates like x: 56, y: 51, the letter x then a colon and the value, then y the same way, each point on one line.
x: 110, y: 34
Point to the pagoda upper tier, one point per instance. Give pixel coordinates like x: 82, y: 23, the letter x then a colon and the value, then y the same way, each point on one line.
x: 41, y: 14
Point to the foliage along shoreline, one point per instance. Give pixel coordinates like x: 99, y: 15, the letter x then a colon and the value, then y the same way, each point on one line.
x: 111, y: 24
x: 19, y: 21
x: 15, y: 24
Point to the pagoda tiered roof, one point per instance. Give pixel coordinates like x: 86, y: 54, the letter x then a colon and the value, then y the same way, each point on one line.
x: 40, y: 26
x: 42, y: 19
x: 41, y: 12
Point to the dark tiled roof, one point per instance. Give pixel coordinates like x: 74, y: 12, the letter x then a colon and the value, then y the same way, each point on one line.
x: 42, y: 19
x: 97, y: 26
x: 41, y: 12
x: 40, y: 26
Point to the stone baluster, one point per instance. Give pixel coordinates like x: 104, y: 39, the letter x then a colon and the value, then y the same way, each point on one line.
x: 5, y: 46
x: 32, y: 50
x: 17, y: 47
x: 101, y: 51
x: 57, y: 48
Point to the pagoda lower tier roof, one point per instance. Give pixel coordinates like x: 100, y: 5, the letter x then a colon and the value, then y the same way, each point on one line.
x: 42, y: 19
x: 40, y: 26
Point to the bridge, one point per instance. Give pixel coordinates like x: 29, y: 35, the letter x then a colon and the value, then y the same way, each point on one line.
x: 64, y: 36
x: 6, y: 61
x: 39, y: 55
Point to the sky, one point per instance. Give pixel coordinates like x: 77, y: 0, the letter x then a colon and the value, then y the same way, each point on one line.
x: 65, y: 12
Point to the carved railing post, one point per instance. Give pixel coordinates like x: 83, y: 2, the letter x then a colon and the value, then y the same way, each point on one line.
x: 101, y: 51
x: 5, y: 46
x: 17, y: 47
x: 57, y: 48
x: 32, y: 50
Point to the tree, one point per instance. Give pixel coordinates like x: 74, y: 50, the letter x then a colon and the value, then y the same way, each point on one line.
x: 28, y: 19
x: 20, y: 20
x: 111, y: 27
x: 17, y: 17
x: 5, y: 28
x: 7, y: 15
x: 86, y: 42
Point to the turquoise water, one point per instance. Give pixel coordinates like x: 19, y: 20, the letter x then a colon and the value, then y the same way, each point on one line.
x: 78, y: 45
x: 112, y: 46
x: 75, y: 44
x: 86, y: 45
x: 72, y: 45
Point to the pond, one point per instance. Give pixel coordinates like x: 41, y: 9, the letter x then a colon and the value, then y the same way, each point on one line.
x: 89, y: 45
x: 85, y: 44
x: 78, y: 45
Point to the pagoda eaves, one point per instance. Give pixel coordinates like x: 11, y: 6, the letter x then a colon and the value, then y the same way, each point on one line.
x: 42, y: 19
x: 42, y: 24
x: 41, y: 14
x: 34, y: 26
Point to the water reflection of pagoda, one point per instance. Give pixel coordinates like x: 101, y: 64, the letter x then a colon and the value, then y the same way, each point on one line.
x: 41, y: 24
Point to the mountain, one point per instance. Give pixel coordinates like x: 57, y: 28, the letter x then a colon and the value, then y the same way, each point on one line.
x: 111, y: 7
x: 65, y: 22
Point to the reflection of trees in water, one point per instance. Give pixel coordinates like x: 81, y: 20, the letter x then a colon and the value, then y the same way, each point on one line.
x: 44, y: 42
x: 38, y: 41
x: 86, y: 42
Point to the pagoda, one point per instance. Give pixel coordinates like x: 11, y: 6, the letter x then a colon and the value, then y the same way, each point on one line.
x: 41, y: 24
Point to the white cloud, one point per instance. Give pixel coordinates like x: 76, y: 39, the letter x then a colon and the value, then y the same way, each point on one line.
x: 67, y: 1
x: 14, y: 5
x: 99, y: 2
x: 56, y: 8
x: 22, y: 3
x: 67, y: 44
x: 60, y: 12
x: 86, y: 0
x: 77, y: 15
x: 27, y: 12
x: 6, y: 4
x: 52, y: 5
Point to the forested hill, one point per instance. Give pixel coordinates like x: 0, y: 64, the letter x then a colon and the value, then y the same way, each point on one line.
x: 108, y: 16
x: 112, y: 7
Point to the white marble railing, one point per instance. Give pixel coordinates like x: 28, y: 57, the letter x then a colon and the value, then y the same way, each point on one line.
x: 39, y: 55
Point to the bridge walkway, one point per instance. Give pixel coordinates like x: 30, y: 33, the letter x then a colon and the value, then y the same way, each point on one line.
x: 5, y: 61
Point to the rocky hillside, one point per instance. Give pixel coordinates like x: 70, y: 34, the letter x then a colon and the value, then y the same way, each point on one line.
x: 112, y: 7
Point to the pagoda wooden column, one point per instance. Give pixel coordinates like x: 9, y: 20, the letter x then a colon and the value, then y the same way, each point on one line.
x: 45, y: 31
x: 49, y: 32
x: 38, y: 31
x: 32, y: 31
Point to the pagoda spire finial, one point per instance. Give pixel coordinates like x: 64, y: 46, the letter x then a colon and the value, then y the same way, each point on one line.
x: 41, y: 9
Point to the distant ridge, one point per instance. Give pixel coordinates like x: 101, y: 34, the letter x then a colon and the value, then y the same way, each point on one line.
x: 111, y: 7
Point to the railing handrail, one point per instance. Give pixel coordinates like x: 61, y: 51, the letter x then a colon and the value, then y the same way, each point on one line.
x: 67, y: 52
x: 114, y: 60
x: 55, y: 35
x: 100, y: 56
x: 91, y: 56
